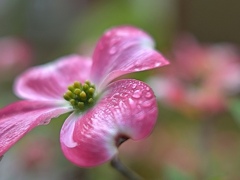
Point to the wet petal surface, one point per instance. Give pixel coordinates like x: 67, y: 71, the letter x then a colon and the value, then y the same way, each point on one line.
x: 19, y: 118
x: 127, y: 109
x: 124, y: 50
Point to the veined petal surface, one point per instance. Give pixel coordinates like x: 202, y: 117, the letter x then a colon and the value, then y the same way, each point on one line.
x: 19, y: 118
x: 127, y: 109
x: 50, y: 81
x: 123, y: 50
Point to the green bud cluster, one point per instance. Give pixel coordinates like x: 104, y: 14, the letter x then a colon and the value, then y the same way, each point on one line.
x: 80, y: 96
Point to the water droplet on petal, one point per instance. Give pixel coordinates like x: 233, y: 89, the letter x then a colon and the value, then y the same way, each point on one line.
x: 131, y: 103
x: 122, y: 105
x: 157, y: 64
x: 148, y: 95
x: 137, y: 66
x: 114, y: 41
x: 113, y: 50
x: 147, y: 103
x: 137, y: 94
x: 115, y: 95
x: 123, y: 95
x: 134, y: 86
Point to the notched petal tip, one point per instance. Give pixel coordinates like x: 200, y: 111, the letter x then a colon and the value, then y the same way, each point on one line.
x: 123, y: 50
x: 121, y: 138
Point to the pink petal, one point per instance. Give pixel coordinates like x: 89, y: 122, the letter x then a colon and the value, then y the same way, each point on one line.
x: 123, y: 50
x: 19, y: 118
x: 128, y: 109
x: 50, y: 81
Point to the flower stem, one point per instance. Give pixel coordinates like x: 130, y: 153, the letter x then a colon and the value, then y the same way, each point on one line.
x: 206, y: 129
x: 128, y: 173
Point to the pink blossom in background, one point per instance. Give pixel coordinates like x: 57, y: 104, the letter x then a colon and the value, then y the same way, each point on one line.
x: 201, y: 77
x: 15, y: 56
x: 104, y: 112
x: 34, y: 156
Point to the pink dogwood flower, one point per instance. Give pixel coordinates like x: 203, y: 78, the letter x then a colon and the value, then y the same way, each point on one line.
x: 104, y: 112
x: 201, y: 78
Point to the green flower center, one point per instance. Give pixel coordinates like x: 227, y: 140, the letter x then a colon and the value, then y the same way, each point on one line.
x: 80, y: 96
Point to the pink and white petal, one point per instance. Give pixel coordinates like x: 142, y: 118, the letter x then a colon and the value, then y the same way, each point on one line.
x: 50, y: 81
x: 19, y: 118
x: 123, y: 50
x: 127, y: 109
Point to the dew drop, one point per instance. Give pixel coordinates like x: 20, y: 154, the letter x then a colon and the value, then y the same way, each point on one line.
x: 116, y: 95
x: 114, y: 41
x: 147, y: 103
x: 122, y: 105
x: 123, y: 95
x: 131, y: 103
x: 138, y: 66
x: 137, y: 94
x: 148, y: 95
x: 134, y: 86
x: 157, y: 64
x: 113, y: 50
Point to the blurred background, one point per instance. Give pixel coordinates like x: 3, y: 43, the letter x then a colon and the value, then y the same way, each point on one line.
x: 197, y: 135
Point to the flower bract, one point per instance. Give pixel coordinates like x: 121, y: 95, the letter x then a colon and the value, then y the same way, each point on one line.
x: 104, y: 111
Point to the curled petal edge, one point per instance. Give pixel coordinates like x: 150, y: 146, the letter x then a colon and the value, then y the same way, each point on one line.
x: 124, y: 50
